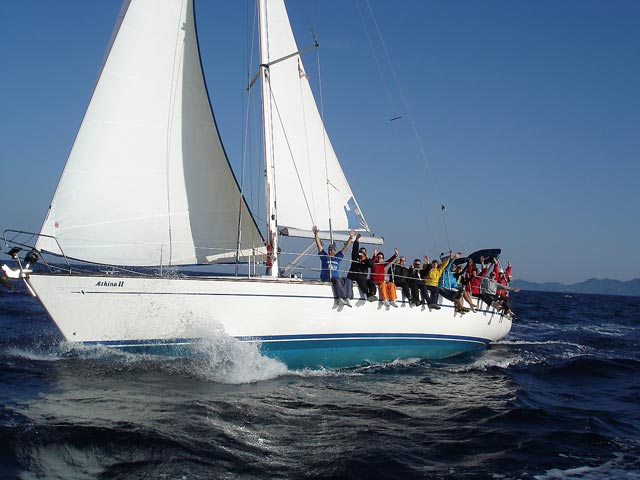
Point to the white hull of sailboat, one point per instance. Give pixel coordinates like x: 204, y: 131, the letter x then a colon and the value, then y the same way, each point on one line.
x: 295, y: 321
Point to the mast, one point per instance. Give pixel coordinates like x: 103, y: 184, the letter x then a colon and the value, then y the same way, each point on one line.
x: 269, y: 172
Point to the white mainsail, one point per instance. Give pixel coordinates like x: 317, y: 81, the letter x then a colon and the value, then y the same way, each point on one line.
x: 147, y: 181
x: 311, y: 188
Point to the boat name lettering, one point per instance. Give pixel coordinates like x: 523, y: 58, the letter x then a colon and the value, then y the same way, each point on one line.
x: 104, y: 283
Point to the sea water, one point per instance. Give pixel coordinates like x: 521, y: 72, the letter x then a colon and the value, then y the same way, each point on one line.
x: 559, y: 398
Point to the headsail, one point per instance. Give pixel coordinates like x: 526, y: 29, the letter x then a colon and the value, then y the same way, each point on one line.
x: 311, y: 186
x: 147, y: 181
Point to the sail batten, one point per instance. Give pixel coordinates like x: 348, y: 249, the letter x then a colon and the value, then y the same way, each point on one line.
x: 147, y: 180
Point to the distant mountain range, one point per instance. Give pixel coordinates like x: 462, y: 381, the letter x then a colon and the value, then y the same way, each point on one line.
x: 603, y: 286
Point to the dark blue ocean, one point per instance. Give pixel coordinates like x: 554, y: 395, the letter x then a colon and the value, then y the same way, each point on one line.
x: 558, y: 399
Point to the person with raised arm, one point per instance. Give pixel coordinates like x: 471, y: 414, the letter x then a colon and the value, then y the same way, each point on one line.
x: 399, y: 275
x: 359, y: 271
x: 431, y: 280
x: 498, y: 291
x: 476, y: 279
x: 449, y: 287
x: 330, y: 271
x: 387, y: 290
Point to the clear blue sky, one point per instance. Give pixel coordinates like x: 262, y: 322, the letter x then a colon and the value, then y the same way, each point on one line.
x: 529, y: 113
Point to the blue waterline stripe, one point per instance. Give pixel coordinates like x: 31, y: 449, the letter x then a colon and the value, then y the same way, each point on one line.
x: 362, y: 336
x: 304, y: 338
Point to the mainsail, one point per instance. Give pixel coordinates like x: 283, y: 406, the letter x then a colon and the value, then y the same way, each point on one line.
x: 147, y: 181
x: 311, y: 188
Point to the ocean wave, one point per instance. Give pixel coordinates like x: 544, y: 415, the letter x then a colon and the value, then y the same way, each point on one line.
x: 622, y: 466
x: 590, y: 366
x: 541, y: 342
x: 40, y: 355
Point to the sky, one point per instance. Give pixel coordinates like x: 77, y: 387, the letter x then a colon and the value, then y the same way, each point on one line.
x: 528, y: 114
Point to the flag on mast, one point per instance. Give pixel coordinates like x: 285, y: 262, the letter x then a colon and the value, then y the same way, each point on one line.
x: 301, y: 71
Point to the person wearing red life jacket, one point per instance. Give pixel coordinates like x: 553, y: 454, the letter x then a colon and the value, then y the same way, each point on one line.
x: 476, y: 278
x: 506, y: 305
x: 503, y: 279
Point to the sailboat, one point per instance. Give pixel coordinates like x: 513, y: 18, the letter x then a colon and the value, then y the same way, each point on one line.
x: 148, y: 184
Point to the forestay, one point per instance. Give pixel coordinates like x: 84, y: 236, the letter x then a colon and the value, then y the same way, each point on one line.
x: 147, y: 181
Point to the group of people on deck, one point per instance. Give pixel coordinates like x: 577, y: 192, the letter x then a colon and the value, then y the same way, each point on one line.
x: 422, y: 283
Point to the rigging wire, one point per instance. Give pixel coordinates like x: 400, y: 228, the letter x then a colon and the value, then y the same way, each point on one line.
x: 395, y: 113
x: 271, y: 194
x: 324, y: 139
x: 245, y: 127
x: 410, y: 117
x: 301, y: 75
x: 272, y: 100
x: 253, y: 136
x: 173, y: 94
x: 312, y: 19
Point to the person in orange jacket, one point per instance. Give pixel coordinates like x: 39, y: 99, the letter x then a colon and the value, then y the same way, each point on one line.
x: 387, y: 290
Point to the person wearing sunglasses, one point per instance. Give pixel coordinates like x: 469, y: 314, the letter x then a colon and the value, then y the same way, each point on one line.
x: 387, y: 290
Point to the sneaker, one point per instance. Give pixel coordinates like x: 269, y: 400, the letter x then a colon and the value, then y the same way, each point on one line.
x: 347, y: 302
x: 340, y: 301
x: 385, y: 303
x: 393, y: 303
x: 372, y: 298
x: 436, y: 306
x: 430, y: 305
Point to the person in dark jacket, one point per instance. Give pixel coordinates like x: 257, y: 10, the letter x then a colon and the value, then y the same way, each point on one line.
x: 416, y: 284
x: 359, y: 271
x: 399, y: 274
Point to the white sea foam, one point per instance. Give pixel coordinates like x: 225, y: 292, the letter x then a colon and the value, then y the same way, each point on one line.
x: 547, y: 342
x: 617, y: 468
x: 501, y: 359
x: 32, y: 355
x: 487, y: 362
x: 607, y: 329
x: 323, y: 372
x: 224, y: 359
x: 218, y: 358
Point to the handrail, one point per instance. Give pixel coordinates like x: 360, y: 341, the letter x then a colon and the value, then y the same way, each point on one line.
x: 25, y: 243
